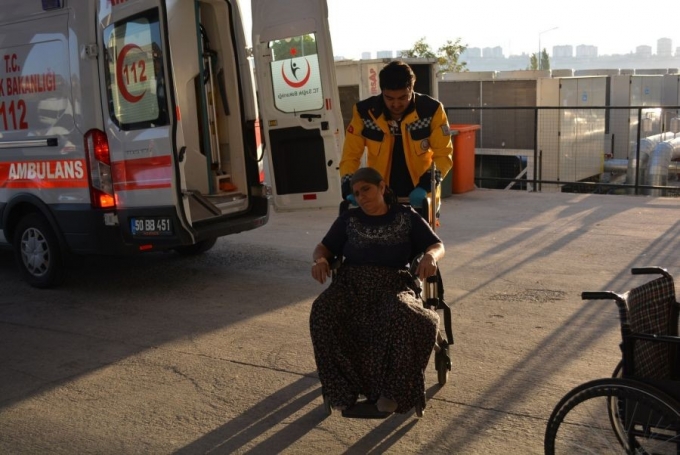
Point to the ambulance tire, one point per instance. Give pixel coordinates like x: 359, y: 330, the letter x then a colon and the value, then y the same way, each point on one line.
x: 197, y: 248
x: 37, y: 252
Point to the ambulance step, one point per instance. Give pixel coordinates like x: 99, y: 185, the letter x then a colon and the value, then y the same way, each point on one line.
x: 204, y: 206
x: 201, y: 208
x: 227, y: 202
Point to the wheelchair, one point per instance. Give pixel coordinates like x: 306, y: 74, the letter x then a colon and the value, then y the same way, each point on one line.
x: 431, y: 294
x: 637, y: 410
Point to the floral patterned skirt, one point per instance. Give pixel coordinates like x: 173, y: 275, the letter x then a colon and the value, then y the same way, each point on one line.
x: 372, y: 336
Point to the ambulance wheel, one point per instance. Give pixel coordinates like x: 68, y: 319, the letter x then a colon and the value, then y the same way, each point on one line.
x: 197, y: 248
x: 37, y: 252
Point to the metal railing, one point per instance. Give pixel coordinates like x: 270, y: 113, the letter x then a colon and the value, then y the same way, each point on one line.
x: 593, y: 149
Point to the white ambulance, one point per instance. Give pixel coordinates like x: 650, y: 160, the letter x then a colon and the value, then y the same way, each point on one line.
x: 129, y: 126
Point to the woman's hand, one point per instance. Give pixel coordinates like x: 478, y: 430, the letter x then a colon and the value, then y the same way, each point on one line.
x: 427, y: 266
x: 321, y: 270
x: 428, y: 263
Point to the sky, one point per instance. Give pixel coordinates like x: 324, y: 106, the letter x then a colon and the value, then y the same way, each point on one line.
x: 615, y: 27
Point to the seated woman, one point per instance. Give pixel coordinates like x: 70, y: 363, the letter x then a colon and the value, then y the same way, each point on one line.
x: 371, y: 334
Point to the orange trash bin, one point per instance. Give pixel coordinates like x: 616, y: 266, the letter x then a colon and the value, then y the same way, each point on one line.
x: 463, y: 172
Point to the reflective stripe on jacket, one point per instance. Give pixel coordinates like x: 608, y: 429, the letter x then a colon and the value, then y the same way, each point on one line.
x: 425, y: 132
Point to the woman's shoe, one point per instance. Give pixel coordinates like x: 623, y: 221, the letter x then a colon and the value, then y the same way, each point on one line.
x: 385, y: 404
x: 365, y: 410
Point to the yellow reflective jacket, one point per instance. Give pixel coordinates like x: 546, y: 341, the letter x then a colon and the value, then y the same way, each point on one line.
x: 425, y: 132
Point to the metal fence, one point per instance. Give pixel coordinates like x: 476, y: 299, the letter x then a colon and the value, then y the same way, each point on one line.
x: 598, y: 149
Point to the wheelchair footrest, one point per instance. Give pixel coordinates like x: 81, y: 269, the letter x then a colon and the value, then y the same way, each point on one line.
x: 365, y: 410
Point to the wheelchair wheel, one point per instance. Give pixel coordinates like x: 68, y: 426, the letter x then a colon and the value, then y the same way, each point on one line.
x: 442, y: 363
x: 442, y: 376
x: 645, y: 421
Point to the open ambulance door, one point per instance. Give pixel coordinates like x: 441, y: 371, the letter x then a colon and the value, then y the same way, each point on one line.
x: 299, y: 102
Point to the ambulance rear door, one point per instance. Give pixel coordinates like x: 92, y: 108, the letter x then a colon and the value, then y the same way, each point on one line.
x: 138, y: 123
x: 299, y: 102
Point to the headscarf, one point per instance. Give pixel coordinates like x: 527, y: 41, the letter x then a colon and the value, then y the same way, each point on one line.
x: 366, y: 174
x: 370, y: 175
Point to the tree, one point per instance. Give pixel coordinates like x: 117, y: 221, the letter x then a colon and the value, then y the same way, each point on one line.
x: 448, y: 55
x: 545, y: 61
x: 419, y: 50
x: 533, y: 62
x: 293, y: 47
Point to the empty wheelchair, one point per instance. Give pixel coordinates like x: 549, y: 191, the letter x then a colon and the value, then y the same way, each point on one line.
x: 637, y: 411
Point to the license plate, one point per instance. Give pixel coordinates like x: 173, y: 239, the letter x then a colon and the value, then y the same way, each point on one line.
x: 150, y: 227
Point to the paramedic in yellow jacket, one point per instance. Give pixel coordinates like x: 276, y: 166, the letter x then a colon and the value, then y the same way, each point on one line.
x: 403, y: 132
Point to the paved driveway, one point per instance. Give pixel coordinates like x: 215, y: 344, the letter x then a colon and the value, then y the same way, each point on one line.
x: 163, y: 354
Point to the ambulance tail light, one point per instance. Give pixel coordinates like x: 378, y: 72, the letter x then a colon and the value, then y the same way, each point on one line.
x: 99, y: 164
x: 260, y: 149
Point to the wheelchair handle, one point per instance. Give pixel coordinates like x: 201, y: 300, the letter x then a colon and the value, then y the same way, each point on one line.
x: 432, y: 208
x: 598, y: 295
x: 649, y: 271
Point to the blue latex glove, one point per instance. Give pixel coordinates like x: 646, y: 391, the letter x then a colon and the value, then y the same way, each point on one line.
x: 345, y: 185
x: 417, y: 197
x: 352, y: 200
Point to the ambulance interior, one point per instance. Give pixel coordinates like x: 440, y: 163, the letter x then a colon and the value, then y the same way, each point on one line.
x: 210, y: 93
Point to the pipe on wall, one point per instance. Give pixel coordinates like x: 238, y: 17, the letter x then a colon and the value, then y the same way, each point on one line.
x: 647, y: 145
x: 659, y: 163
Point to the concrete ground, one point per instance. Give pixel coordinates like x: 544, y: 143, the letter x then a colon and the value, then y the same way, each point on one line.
x: 162, y: 354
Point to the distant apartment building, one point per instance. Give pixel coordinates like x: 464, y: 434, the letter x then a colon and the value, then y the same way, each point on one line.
x: 664, y: 47
x: 471, y: 52
x: 643, y: 51
x: 564, y: 57
x: 563, y: 51
x: 492, y: 52
x: 586, y: 51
